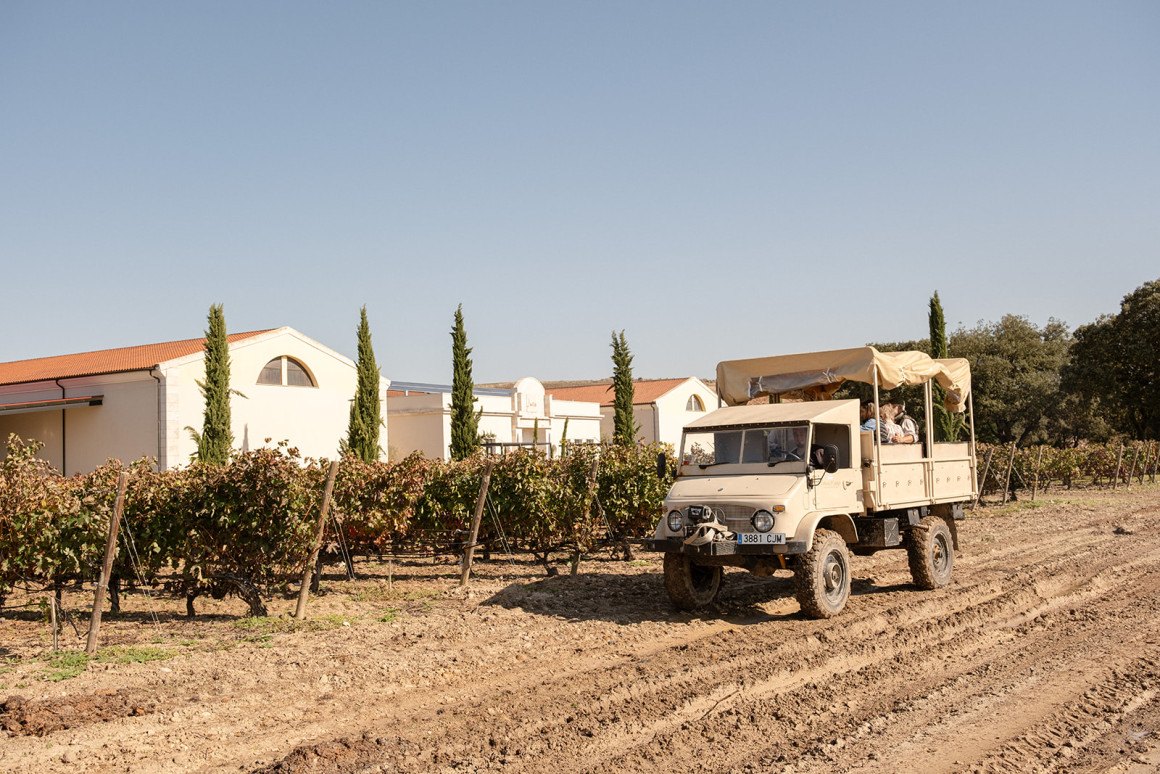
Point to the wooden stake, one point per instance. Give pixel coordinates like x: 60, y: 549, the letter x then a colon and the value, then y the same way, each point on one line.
x: 52, y: 617
x: 588, y: 498
x: 304, y: 591
x: 1010, y: 467
x: 1119, y: 459
x: 983, y: 480
x: 107, y: 567
x: 475, y: 519
x: 1035, y: 485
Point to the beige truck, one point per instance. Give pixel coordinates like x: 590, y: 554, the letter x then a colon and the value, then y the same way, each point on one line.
x: 782, y: 477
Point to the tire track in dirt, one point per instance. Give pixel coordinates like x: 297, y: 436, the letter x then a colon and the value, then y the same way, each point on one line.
x: 1016, y: 695
x: 929, y: 663
x: 610, y: 700
x: 627, y: 719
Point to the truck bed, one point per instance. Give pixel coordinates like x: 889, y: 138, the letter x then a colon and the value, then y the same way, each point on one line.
x: 910, y: 480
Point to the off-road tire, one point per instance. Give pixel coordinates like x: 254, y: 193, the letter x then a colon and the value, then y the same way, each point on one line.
x: 821, y: 576
x: 930, y: 551
x: 690, y: 585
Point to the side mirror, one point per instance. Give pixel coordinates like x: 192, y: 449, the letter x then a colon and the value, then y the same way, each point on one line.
x: 830, y: 458
x: 662, y: 466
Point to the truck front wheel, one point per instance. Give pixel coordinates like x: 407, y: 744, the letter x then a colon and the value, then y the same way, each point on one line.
x: 821, y: 576
x: 690, y: 585
x: 930, y: 553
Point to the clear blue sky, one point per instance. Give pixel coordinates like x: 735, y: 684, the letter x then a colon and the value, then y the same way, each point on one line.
x: 720, y: 180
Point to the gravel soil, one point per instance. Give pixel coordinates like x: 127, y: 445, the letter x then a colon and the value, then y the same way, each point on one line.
x: 1042, y: 655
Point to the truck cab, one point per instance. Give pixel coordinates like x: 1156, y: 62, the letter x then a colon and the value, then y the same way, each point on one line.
x: 796, y: 484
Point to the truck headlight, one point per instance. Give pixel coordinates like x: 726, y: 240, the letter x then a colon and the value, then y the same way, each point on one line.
x: 676, y: 521
x: 762, y: 521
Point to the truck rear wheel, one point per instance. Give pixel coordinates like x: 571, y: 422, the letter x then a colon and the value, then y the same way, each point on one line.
x: 930, y: 553
x: 690, y: 585
x: 821, y: 577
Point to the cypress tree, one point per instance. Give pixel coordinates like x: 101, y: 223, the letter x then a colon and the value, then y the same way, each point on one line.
x: 944, y: 424
x: 624, y: 427
x: 216, y: 438
x: 362, y: 438
x: 464, y: 421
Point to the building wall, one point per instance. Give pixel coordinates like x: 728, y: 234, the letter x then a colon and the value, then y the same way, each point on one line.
x: 665, y: 419
x: 422, y: 421
x: 584, y: 420
x: 124, y: 427
x: 497, y: 420
x: 672, y: 414
x: 144, y: 417
x: 608, y: 423
x: 419, y: 422
x: 312, y: 419
x: 647, y: 420
x: 43, y: 426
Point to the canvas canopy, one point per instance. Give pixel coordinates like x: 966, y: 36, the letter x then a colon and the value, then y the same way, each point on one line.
x: 842, y: 412
x: 818, y: 375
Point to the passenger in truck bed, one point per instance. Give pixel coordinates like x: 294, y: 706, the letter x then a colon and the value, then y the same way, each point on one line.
x: 887, y: 429
x: 908, y: 428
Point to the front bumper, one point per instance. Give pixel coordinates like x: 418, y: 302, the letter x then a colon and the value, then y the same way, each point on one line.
x: 722, y: 548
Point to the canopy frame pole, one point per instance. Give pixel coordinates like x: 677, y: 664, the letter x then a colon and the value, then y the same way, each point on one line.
x: 928, y: 444
x: 974, y: 460
x: 877, y: 445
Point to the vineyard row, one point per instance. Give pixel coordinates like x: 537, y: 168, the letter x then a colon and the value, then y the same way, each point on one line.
x: 252, y: 521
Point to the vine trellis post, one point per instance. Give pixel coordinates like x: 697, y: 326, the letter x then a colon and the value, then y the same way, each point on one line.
x: 475, y: 519
x: 304, y: 591
x: 106, y: 567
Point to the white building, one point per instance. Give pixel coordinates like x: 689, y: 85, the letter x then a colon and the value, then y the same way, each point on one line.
x: 136, y: 402
x: 660, y: 407
x: 419, y: 418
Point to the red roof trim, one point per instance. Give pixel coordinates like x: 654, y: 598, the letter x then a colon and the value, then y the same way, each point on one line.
x: 106, y: 361
x: 644, y: 391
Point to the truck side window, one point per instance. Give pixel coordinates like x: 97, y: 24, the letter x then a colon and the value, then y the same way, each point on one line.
x: 835, y: 435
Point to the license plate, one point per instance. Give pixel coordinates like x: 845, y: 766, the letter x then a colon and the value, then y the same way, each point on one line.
x: 761, y: 538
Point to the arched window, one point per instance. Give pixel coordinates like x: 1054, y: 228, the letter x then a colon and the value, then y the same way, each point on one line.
x: 694, y: 404
x: 286, y: 371
x: 272, y: 373
x: 296, y: 375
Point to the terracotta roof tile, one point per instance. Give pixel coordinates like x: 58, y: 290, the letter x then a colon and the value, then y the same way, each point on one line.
x: 644, y: 391
x: 589, y: 393
x: 105, y: 361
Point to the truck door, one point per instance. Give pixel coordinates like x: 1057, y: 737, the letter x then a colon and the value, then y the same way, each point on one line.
x: 837, y: 490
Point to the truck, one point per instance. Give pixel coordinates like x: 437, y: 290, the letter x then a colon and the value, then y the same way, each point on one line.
x: 782, y: 477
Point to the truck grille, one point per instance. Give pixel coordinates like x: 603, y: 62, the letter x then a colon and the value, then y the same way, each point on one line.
x: 735, y: 517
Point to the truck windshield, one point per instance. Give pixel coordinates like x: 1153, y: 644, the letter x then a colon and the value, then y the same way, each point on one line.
x: 749, y: 445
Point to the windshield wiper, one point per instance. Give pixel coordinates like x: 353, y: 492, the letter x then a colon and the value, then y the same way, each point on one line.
x: 704, y: 465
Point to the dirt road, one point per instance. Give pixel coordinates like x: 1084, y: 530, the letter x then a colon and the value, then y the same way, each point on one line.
x: 1042, y: 655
